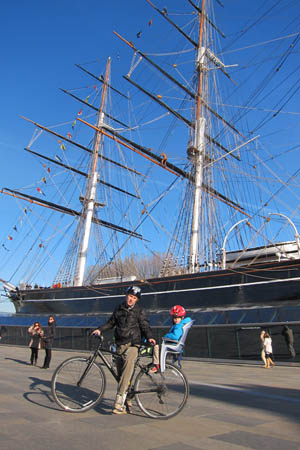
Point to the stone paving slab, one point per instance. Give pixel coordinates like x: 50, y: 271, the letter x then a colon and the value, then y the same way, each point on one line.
x: 231, y: 406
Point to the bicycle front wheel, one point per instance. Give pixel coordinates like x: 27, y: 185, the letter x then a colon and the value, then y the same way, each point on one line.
x: 161, y: 395
x: 77, y: 386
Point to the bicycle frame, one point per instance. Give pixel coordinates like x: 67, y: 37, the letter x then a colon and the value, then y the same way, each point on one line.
x: 100, y: 354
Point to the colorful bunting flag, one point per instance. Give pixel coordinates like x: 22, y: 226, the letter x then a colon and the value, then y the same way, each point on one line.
x: 40, y: 191
x: 62, y: 146
x: 86, y: 100
x: 74, y: 123
x: 138, y: 35
x: 69, y: 135
x: 58, y: 158
x: 80, y: 113
x: 9, y: 238
x: 44, y: 180
x: 48, y: 170
x: 25, y: 210
x: 15, y: 228
x: 150, y: 23
x: 5, y: 248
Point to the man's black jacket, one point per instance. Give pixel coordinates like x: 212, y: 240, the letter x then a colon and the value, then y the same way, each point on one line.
x: 131, y: 324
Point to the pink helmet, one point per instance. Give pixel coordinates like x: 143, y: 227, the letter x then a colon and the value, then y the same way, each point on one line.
x: 178, y: 311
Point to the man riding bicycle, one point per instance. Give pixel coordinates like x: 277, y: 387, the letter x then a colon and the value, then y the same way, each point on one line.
x: 131, y: 325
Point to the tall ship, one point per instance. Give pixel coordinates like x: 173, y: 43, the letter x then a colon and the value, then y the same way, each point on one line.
x: 169, y: 175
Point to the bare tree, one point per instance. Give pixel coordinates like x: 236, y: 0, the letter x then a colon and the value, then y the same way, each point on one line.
x: 142, y: 267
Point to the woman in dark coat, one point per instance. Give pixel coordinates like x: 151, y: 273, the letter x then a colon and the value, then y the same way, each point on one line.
x: 49, y: 335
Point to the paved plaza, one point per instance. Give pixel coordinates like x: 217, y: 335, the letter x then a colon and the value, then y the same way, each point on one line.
x: 232, y: 405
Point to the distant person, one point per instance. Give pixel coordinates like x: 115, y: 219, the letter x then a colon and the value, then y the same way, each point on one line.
x: 36, y: 334
x: 268, y: 351
x: 288, y: 335
x: 179, y: 320
x: 3, y: 330
x: 262, y: 353
x: 49, y: 335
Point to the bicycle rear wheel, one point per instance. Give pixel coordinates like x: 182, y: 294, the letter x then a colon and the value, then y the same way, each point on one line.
x: 161, y: 395
x: 74, y: 394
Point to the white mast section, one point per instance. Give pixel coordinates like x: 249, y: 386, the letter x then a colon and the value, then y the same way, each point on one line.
x: 88, y: 211
x: 199, y: 147
x: 90, y: 195
x: 197, y: 155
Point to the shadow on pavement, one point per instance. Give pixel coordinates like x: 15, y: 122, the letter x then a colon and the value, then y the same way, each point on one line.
x: 19, y: 361
x: 282, y: 401
x: 40, y: 394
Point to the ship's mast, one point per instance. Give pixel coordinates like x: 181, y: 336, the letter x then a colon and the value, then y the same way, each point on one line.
x: 90, y: 195
x: 197, y: 152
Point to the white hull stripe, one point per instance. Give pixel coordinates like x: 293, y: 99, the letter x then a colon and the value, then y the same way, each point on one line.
x: 258, y: 283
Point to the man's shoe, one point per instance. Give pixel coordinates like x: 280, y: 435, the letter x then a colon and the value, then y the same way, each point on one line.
x: 119, y: 409
x: 128, y: 406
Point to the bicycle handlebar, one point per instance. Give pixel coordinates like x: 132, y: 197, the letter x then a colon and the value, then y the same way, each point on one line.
x: 96, y: 335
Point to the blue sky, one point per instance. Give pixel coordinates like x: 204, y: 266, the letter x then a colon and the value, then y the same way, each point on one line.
x: 41, y: 41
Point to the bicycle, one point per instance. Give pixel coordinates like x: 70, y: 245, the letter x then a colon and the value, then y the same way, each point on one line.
x: 78, y: 384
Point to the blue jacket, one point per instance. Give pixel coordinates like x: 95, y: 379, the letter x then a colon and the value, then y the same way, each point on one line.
x: 175, y: 331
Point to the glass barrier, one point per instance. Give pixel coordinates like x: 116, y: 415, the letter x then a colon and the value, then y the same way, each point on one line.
x: 219, y: 341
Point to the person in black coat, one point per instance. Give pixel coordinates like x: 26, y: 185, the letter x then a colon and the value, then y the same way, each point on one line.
x: 49, y: 335
x: 288, y: 335
x: 130, y: 325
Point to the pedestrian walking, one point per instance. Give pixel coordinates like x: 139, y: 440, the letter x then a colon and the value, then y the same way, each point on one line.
x: 268, y: 351
x: 49, y: 335
x: 288, y: 335
x: 262, y: 351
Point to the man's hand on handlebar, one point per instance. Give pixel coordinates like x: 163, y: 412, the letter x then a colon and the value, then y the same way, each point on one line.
x: 152, y: 341
x: 96, y: 333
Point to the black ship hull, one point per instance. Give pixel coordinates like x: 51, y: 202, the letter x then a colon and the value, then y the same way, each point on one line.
x: 255, y: 286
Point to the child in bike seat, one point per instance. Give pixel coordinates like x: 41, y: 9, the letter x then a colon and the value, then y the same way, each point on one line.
x: 179, y: 320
